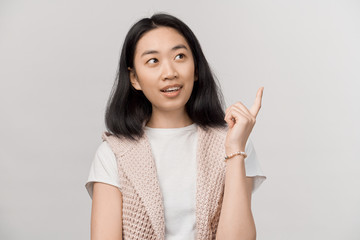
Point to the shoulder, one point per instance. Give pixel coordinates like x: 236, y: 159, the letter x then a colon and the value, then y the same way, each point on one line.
x: 119, y: 144
x: 104, y: 149
x: 104, y: 155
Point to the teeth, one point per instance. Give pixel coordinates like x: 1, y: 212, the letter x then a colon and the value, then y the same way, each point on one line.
x: 171, y: 89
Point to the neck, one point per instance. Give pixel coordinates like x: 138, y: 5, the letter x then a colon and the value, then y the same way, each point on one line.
x: 169, y: 119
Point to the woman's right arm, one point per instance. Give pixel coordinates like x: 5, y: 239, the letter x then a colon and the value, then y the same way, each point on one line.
x: 106, y: 212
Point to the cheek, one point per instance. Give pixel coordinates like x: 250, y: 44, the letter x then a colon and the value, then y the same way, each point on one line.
x: 146, y: 77
x: 148, y: 84
x: 188, y: 70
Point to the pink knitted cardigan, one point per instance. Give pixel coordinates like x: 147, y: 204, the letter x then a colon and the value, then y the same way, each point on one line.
x: 143, y: 209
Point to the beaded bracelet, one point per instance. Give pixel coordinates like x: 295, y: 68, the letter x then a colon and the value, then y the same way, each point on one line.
x: 235, y: 154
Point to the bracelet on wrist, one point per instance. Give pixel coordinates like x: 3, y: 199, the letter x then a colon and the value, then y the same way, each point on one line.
x: 235, y: 154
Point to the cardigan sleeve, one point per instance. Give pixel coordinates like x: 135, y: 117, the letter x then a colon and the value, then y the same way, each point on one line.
x: 103, y: 168
x: 252, y: 166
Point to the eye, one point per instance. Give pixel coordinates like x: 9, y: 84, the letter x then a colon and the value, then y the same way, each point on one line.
x: 152, y: 60
x: 180, y: 56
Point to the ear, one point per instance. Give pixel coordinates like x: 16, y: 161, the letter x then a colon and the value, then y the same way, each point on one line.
x: 196, y: 76
x: 133, y: 79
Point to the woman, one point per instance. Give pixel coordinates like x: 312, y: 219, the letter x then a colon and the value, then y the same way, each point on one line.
x: 160, y: 172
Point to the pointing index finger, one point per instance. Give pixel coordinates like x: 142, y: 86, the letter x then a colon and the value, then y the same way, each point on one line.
x: 257, y: 105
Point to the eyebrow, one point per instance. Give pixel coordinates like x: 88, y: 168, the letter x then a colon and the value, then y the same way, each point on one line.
x: 180, y: 46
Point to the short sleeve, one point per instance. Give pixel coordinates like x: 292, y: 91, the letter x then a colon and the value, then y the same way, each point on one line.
x: 252, y: 166
x: 103, y: 168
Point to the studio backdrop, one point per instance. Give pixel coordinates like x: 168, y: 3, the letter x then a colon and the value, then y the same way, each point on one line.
x: 58, y: 61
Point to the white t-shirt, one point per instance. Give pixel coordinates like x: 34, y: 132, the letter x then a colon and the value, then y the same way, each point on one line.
x: 174, y: 152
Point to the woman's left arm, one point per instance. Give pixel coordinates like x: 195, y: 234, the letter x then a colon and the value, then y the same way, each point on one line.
x: 236, y: 219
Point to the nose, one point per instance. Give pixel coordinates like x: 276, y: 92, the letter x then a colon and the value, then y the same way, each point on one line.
x: 168, y: 71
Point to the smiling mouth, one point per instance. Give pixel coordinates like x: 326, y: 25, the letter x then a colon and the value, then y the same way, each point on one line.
x: 171, y: 89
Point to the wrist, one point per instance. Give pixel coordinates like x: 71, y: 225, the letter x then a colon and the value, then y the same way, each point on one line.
x: 242, y: 154
x: 235, y: 160
x: 233, y: 149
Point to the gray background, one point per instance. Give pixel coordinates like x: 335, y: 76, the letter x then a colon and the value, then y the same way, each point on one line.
x: 58, y: 61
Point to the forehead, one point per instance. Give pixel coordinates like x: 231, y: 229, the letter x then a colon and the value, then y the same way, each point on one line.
x: 160, y: 39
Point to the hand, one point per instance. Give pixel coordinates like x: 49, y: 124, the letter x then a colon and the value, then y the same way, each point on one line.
x: 241, y: 122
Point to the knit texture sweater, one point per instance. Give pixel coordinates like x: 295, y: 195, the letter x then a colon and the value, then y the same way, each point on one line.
x: 143, y: 208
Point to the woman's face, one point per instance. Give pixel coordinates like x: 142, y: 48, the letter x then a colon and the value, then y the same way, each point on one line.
x: 164, y: 69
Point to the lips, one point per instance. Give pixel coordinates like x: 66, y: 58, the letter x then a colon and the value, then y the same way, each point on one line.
x: 171, y: 88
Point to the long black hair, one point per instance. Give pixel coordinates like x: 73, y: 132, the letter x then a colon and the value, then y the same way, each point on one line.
x: 128, y: 108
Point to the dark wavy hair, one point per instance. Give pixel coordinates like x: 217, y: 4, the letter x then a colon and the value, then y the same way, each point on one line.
x: 128, y: 108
